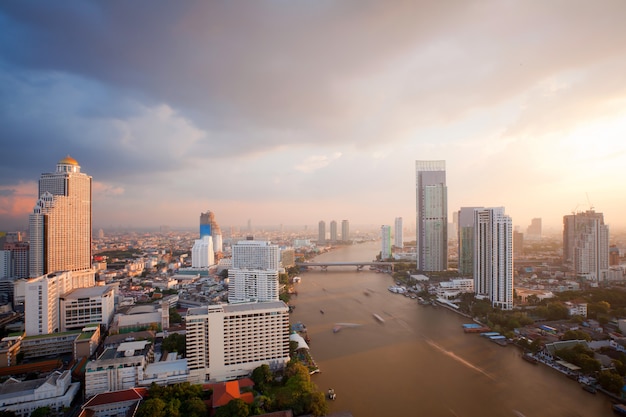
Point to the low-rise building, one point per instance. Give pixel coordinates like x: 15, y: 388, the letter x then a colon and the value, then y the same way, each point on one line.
x: 83, y: 306
x: 56, y: 391
x: 114, y: 404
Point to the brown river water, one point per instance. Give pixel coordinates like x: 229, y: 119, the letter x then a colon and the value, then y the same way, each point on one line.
x: 418, y: 362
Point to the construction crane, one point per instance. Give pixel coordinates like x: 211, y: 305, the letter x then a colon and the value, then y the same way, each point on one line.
x: 589, y: 202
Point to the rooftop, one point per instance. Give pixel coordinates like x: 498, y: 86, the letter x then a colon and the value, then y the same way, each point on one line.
x: 97, y: 291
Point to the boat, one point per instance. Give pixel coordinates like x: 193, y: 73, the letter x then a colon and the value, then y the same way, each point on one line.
x: 336, y: 329
x: 589, y: 389
x: 377, y: 317
x: 530, y: 358
x: 322, y: 311
x: 619, y: 409
x: 331, y: 394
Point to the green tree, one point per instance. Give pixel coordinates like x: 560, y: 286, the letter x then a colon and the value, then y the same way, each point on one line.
x: 175, y: 317
x: 576, y: 335
x: 234, y: 408
x: 194, y: 407
x: 611, y: 381
x: 41, y: 412
x: 316, y: 404
x: 6, y: 413
x: 175, y: 343
x: 262, y: 377
x: 152, y: 407
x: 557, y: 311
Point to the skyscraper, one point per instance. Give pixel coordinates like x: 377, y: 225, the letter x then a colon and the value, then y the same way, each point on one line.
x: 345, y: 230
x: 209, y: 227
x: 60, y: 225
x: 398, y: 238
x: 432, y: 215
x: 333, y: 231
x: 586, y: 245
x: 321, y: 235
x: 254, y: 275
x: 465, y: 239
x: 385, y: 236
x: 493, y: 256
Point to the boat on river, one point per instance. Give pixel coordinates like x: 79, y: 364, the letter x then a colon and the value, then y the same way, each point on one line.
x: 530, y: 358
x: 377, y: 317
x: 331, y: 394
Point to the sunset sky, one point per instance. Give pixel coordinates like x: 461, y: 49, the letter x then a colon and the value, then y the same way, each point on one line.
x: 291, y: 112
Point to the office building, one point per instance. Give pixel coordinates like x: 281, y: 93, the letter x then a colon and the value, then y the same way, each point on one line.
x: 254, y: 272
x: 432, y: 215
x: 19, y: 259
x: 385, y: 238
x: 321, y: 235
x: 345, y: 230
x: 586, y: 245
x: 465, y: 240
x: 60, y: 225
x: 84, y: 306
x: 398, y: 238
x: 225, y: 342
x: 333, y: 231
x: 493, y: 256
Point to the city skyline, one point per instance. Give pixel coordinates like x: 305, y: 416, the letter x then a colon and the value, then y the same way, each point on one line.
x: 254, y: 112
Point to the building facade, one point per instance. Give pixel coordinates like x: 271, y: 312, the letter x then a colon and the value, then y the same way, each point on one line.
x: 398, y: 237
x: 60, y: 225
x: 225, y: 342
x: 254, y: 274
x: 493, y: 256
x: 202, y: 253
x: 385, y: 240
x: 345, y: 230
x: 432, y: 215
x: 465, y: 240
x: 84, y: 306
x: 321, y: 233
x: 333, y: 231
x: 586, y: 245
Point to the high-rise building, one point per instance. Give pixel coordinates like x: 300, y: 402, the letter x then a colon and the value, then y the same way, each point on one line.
x: 465, y: 240
x: 385, y: 236
x: 209, y: 227
x: 333, y: 231
x: 398, y: 238
x: 345, y: 230
x: 202, y: 254
x: 493, y: 256
x: 225, y: 342
x: 518, y: 244
x: 534, y: 229
x: 432, y: 215
x: 254, y: 272
x: 586, y: 245
x: 60, y: 226
x: 321, y: 236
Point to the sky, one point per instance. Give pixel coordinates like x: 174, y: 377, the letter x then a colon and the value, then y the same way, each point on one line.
x: 283, y: 112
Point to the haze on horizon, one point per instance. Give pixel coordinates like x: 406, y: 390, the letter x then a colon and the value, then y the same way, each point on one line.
x: 295, y: 112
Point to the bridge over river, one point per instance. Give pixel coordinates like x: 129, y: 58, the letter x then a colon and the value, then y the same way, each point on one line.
x: 388, y: 266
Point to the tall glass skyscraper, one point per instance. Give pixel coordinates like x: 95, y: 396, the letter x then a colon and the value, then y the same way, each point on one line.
x: 432, y: 215
x: 586, y: 245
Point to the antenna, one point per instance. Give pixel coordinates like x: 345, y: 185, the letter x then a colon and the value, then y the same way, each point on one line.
x: 589, y: 201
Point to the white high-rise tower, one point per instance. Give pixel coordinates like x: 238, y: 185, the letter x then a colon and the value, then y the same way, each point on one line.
x: 493, y: 256
x: 398, y: 239
x: 254, y: 275
x: 432, y: 215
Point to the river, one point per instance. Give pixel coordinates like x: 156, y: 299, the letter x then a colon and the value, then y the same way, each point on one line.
x: 418, y: 362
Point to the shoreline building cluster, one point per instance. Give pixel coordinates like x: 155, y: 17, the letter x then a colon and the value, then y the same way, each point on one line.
x: 322, y: 239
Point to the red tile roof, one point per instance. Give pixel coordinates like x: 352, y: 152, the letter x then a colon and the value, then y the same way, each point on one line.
x: 224, y: 392
x: 133, y: 394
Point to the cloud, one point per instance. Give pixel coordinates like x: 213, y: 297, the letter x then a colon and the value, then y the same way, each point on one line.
x: 316, y: 162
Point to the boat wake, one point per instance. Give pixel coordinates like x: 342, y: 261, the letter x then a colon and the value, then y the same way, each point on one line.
x: 458, y: 359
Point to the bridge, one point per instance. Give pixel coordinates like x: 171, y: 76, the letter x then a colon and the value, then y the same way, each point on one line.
x: 359, y: 265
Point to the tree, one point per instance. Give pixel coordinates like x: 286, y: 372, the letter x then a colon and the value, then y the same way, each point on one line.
x: 234, y: 408
x: 6, y: 413
x: 194, y: 407
x: 262, y: 377
x: 175, y: 317
x: 557, y: 311
x: 576, y: 335
x: 41, y: 412
x: 153, y: 407
x: 611, y: 381
x: 175, y: 343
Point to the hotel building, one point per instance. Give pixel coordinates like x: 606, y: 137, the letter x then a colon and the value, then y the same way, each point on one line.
x: 586, y: 245
x: 225, y: 342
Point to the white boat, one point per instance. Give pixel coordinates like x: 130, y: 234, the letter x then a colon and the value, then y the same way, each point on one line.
x: 377, y: 317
